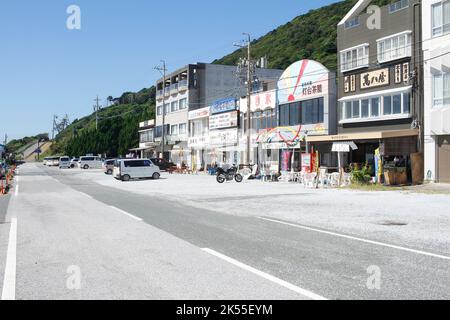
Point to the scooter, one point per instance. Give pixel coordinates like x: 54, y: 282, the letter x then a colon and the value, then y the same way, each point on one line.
x: 228, y: 174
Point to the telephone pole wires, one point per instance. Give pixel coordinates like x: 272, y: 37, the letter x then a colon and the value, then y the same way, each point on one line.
x: 248, y: 63
x: 97, y: 108
x: 162, y: 69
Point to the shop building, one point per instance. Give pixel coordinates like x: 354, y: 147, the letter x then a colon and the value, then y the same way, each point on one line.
x: 198, y: 142
x: 190, y: 88
x: 436, y: 30
x: 379, y: 89
x: 224, y: 147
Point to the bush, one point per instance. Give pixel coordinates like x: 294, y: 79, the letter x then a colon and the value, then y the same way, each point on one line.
x: 361, y: 175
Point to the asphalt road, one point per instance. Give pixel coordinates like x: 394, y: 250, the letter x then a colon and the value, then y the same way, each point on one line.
x: 130, y: 246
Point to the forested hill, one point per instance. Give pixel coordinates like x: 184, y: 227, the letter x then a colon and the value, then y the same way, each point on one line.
x: 117, y: 127
x: 309, y: 36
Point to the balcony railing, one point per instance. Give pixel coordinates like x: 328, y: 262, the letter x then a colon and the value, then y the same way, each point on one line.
x: 183, y: 85
x: 167, y: 91
x: 174, y: 88
x: 159, y: 94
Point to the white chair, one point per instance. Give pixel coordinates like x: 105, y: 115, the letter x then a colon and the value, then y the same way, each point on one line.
x: 309, y: 179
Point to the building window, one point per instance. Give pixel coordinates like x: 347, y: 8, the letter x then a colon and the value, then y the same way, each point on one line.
x: 167, y: 108
x: 441, y: 89
x: 394, y: 47
x: 304, y: 112
x: 440, y: 18
x: 174, y: 130
x: 146, y: 136
x: 159, y: 111
x: 399, y: 5
x: 375, y: 108
x: 352, y: 23
x: 183, y: 104
x: 174, y: 106
x: 182, y: 128
x: 355, y: 58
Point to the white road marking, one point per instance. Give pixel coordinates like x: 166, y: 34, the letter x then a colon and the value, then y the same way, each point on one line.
x: 16, y: 188
x: 266, y: 276
x: 126, y: 213
x: 378, y: 243
x: 9, y: 282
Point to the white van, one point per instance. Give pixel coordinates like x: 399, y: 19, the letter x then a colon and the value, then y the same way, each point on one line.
x: 64, y: 162
x: 90, y: 163
x: 127, y: 169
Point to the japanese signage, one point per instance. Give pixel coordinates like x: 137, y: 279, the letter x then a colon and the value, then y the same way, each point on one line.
x: 259, y: 101
x: 223, y: 120
x: 225, y: 105
x: 223, y: 138
x: 350, y: 83
x: 405, y: 72
x: 200, y: 113
x: 304, y: 79
x: 198, y: 142
x: 375, y: 79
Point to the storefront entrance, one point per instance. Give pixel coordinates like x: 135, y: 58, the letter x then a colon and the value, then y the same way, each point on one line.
x: 444, y: 159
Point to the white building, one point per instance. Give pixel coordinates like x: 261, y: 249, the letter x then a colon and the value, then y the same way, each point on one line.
x: 436, y: 46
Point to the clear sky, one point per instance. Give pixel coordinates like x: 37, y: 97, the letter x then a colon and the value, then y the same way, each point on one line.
x: 46, y: 69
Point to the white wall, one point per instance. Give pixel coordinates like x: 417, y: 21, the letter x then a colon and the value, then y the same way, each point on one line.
x: 433, y: 48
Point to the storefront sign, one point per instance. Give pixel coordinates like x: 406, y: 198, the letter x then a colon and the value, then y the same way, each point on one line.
x: 304, y: 79
x: 223, y: 120
x: 279, y: 146
x: 223, y: 138
x: 350, y: 83
x: 198, y: 142
x: 200, y: 113
x: 306, y: 160
x: 406, y: 72
x: 222, y: 106
x: 375, y: 79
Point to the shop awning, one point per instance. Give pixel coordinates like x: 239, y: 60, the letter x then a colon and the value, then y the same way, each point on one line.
x: 346, y: 146
x: 375, y: 135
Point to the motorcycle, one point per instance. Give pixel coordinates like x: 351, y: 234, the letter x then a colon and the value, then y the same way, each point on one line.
x: 227, y: 173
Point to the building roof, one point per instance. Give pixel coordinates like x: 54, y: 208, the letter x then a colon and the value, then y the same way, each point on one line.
x: 357, y: 9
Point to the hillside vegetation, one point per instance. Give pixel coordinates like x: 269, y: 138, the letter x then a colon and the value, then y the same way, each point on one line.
x: 309, y: 36
x: 117, y: 127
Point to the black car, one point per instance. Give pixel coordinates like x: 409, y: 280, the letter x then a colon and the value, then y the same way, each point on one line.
x: 163, y: 164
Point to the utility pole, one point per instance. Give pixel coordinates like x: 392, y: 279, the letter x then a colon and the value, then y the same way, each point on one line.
x: 249, y: 92
x: 96, y: 109
x: 55, y: 117
x: 162, y: 69
x: 6, y: 139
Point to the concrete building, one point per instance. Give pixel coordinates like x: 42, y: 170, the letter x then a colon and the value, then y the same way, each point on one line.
x: 379, y: 87
x: 436, y: 47
x: 193, y: 87
x: 147, y: 145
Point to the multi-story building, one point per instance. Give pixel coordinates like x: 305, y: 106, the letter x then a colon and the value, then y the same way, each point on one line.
x: 190, y: 88
x: 147, y: 145
x: 302, y: 103
x: 379, y: 88
x: 436, y: 47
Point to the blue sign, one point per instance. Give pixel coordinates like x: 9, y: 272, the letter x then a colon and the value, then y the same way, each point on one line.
x: 224, y: 105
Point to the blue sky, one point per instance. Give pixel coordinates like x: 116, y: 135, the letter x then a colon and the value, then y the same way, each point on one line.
x: 46, y: 69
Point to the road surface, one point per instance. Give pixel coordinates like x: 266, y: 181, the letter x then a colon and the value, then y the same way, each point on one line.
x: 71, y: 238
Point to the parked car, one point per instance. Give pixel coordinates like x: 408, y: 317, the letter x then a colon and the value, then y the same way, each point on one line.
x: 108, y: 166
x: 45, y: 162
x: 163, y: 164
x: 127, y: 169
x: 90, y: 163
x: 64, y: 162
x: 52, y: 162
x: 74, y: 162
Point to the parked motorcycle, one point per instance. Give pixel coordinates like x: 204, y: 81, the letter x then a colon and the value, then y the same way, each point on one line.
x: 227, y: 173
